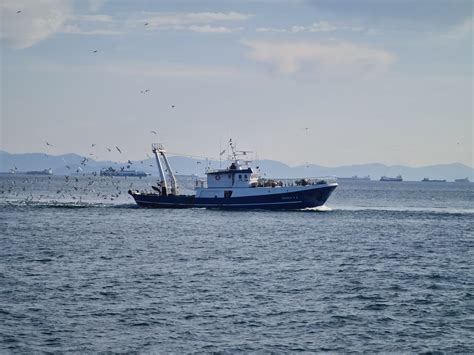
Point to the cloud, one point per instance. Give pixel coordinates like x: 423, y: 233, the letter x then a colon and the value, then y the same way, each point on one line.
x: 461, y: 30
x: 95, y: 5
x: 102, y: 25
x: 146, y: 69
x: 194, y: 18
x: 210, y: 29
x: 201, y: 22
x: 37, y: 21
x: 270, y: 29
x: 318, y: 26
x: 95, y: 18
x: 344, y: 58
x: 74, y: 29
x: 169, y: 70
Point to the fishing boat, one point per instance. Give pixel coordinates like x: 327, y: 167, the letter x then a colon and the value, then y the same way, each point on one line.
x: 236, y: 187
x: 462, y: 180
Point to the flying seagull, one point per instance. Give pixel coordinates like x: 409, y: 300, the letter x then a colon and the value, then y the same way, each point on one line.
x: 109, y: 149
x: 48, y: 144
x: 146, y: 23
x: 118, y: 149
x: 95, y: 51
x: 172, y: 106
x: 154, y: 132
x: 18, y: 12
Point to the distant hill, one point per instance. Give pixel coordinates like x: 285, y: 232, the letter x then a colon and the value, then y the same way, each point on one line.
x: 67, y: 164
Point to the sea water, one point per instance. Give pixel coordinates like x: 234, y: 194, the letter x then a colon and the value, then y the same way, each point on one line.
x: 383, y: 266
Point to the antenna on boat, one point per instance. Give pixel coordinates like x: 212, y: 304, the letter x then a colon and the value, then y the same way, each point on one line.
x: 233, y: 150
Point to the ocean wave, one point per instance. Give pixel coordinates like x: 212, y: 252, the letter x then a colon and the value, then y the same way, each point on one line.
x: 403, y: 209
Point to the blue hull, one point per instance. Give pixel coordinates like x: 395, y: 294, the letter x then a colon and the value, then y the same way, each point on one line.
x: 285, y: 201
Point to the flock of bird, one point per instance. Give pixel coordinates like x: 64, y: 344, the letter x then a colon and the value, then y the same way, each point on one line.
x: 76, y: 186
x: 53, y: 189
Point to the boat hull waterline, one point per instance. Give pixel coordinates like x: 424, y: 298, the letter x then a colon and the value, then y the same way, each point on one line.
x: 314, y: 196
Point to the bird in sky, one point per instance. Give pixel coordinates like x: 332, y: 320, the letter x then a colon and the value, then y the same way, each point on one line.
x: 48, y: 144
x: 154, y: 132
x: 118, y: 149
x: 18, y: 12
x: 109, y: 149
x: 93, y: 145
x: 172, y: 106
x: 95, y: 51
x: 222, y: 153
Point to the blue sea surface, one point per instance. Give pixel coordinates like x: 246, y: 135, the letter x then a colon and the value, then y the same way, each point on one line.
x: 383, y: 267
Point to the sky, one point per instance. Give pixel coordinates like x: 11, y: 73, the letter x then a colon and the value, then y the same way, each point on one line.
x: 301, y: 81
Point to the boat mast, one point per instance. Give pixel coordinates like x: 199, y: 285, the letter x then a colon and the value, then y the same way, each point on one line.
x: 233, y: 152
x: 155, y: 149
x: 174, y: 184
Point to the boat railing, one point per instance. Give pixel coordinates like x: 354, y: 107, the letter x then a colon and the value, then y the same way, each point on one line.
x: 278, y: 182
x: 285, y: 182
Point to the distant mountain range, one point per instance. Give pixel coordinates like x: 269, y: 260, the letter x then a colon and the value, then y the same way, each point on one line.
x: 68, y: 164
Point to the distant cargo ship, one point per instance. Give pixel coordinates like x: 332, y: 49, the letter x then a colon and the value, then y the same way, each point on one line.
x: 388, y: 178
x: 462, y: 180
x: 355, y: 177
x: 434, y: 180
x: 41, y: 172
x: 130, y: 173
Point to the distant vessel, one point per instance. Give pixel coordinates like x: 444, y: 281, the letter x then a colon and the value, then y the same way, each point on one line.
x: 355, y: 177
x: 388, y: 178
x: 462, y: 180
x: 41, y: 172
x: 131, y: 173
x: 236, y: 187
x: 434, y: 180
